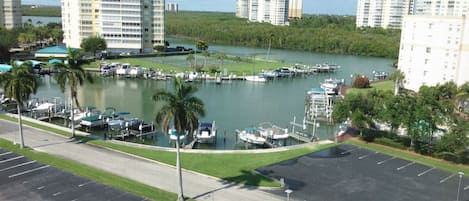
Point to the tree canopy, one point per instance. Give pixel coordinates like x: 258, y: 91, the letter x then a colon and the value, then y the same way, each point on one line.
x: 326, y: 34
x: 93, y: 44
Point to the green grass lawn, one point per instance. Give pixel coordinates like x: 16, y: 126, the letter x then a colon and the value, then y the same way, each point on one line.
x: 238, y: 168
x: 432, y: 162
x: 49, y: 11
x: 91, y: 173
x: 387, y: 85
x: 237, y: 68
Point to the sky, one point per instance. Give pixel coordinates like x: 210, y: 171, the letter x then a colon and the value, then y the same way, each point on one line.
x: 334, y: 7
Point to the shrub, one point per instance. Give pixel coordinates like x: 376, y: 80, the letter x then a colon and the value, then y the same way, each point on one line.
x: 389, y: 142
x: 463, y: 156
x: 361, y: 82
x: 448, y: 156
x: 214, y: 69
x: 424, y: 148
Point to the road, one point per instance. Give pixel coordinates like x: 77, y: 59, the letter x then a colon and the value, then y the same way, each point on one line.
x: 197, y: 186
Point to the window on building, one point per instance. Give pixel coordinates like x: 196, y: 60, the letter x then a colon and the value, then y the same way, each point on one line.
x: 429, y: 50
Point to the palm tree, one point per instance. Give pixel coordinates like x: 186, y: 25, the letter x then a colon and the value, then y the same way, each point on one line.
x: 183, y: 109
x: 73, y: 75
x: 19, y: 84
x: 190, y: 58
x: 397, y: 76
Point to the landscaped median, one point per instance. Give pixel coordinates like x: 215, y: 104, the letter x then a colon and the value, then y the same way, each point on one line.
x: 233, y: 167
x: 91, y: 173
x: 411, y: 156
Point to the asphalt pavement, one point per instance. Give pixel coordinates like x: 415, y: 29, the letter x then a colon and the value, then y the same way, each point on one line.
x: 350, y: 173
x: 25, y: 179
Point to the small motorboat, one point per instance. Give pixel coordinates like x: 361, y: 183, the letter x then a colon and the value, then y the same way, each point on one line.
x: 173, y: 134
x: 251, y: 135
x: 270, y: 131
x: 206, y: 132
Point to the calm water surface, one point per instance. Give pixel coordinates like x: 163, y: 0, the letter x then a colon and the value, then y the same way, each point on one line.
x: 234, y: 105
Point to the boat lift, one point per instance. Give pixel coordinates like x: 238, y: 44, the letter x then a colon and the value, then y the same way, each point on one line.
x: 304, y: 136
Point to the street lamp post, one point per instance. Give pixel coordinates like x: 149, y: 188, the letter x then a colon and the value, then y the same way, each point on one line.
x: 288, y: 191
x: 459, y: 186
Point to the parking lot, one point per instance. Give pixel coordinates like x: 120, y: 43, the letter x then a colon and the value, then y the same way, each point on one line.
x: 25, y: 179
x: 350, y: 173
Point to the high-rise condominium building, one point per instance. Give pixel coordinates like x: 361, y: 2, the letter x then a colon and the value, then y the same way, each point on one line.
x: 242, y: 8
x: 173, y: 7
x: 295, y: 9
x: 441, y: 7
x: 382, y: 13
x: 270, y: 11
x: 126, y: 25
x: 10, y: 13
x: 434, y: 50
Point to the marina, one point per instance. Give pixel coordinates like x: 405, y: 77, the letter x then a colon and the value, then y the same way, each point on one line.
x: 232, y: 104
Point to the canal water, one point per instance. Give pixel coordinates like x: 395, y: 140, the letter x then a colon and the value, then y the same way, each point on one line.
x: 233, y: 105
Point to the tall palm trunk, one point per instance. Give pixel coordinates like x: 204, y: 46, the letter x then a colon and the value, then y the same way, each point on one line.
x: 396, y: 87
x: 72, y: 114
x: 20, y: 126
x: 178, y: 169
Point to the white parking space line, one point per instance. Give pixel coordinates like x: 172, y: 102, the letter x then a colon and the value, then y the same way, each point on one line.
x: 84, y: 184
x: 28, y: 171
x: 406, y: 165
x: 6, y: 153
x: 40, y: 187
x: 426, y: 171
x: 448, y: 177
x: 11, y: 159
x: 364, y: 156
x: 15, y: 166
x: 466, y: 188
x: 55, y: 194
x: 74, y: 200
x: 381, y: 162
x: 344, y: 152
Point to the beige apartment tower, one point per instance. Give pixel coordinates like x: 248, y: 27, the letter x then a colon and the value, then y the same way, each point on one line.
x: 10, y: 13
x: 126, y: 25
x: 295, y: 9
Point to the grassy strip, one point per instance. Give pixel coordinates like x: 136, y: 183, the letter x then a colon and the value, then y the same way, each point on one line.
x: 92, y: 173
x: 237, y: 68
x: 432, y: 162
x: 46, y: 11
x: 238, y: 168
x: 57, y: 131
x: 387, y: 85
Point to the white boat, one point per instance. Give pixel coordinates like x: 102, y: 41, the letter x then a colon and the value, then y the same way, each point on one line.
x: 255, y: 78
x: 331, y: 86
x: 325, y: 67
x: 124, y: 70
x: 136, y: 72
x: 192, y: 77
x: 44, y: 107
x: 173, y: 134
x: 251, y: 135
x: 207, y: 132
x: 270, y: 131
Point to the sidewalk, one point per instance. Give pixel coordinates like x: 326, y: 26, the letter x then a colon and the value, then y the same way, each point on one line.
x: 151, y: 173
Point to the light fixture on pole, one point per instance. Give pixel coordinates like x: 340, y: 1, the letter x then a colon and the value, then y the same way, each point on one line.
x: 461, y: 174
x: 288, y: 191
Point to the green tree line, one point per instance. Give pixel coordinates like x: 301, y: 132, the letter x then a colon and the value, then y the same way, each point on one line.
x: 36, y: 37
x: 421, y: 113
x: 325, y: 34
